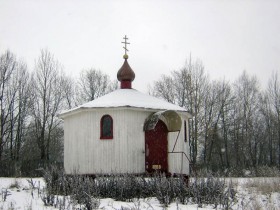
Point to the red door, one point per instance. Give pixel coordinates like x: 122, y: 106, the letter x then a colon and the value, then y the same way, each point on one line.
x: 156, y: 149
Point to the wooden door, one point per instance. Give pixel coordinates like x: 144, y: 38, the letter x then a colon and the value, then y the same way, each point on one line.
x: 156, y: 158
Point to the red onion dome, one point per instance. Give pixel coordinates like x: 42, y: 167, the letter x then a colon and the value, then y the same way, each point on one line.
x: 125, y: 75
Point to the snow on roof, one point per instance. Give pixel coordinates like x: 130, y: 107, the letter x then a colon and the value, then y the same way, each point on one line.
x: 128, y: 98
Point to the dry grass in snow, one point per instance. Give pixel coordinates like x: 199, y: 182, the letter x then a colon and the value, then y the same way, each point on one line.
x: 28, y: 194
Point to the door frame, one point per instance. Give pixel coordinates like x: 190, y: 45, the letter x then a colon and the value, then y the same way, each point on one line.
x: 156, y: 150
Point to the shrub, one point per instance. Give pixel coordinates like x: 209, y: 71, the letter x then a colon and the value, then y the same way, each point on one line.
x: 236, y: 171
x: 123, y: 187
x: 264, y: 185
x: 211, y: 190
x: 88, y: 191
x: 15, y: 184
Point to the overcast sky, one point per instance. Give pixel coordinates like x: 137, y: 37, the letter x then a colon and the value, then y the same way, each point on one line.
x: 228, y: 36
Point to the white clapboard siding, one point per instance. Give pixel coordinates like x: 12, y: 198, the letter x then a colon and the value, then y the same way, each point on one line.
x: 85, y: 153
x: 178, y: 163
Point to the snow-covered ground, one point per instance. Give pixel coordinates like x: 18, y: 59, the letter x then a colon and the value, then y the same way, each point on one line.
x: 27, y: 193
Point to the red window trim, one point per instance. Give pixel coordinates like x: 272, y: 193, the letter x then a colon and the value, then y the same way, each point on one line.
x: 185, y: 131
x: 101, y: 123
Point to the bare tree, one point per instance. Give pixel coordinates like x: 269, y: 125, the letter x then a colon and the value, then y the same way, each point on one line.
x: 267, y: 113
x: 274, y: 99
x: 93, y: 84
x: 47, y: 96
x: 70, y: 92
x: 21, y: 108
x: 210, y: 121
x: 186, y: 87
x: 14, y: 82
x: 7, y: 97
x: 246, y: 110
x: 164, y: 88
x: 225, y: 104
x: 192, y: 83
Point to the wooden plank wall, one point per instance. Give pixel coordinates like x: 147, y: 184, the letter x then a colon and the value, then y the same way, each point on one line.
x: 85, y: 153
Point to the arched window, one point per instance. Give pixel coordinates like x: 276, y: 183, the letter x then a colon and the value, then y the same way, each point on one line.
x: 106, y: 127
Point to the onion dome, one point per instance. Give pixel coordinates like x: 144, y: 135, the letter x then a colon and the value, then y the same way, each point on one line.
x: 125, y: 75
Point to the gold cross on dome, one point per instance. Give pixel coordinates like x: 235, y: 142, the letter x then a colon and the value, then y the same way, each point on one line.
x: 125, y: 46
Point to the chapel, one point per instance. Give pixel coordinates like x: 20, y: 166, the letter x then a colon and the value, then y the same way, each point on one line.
x: 126, y: 132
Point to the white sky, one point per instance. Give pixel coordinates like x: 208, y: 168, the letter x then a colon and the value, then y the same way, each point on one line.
x: 228, y: 36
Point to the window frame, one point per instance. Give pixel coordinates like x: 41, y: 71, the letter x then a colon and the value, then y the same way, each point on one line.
x: 185, y: 131
x: 102, y: 136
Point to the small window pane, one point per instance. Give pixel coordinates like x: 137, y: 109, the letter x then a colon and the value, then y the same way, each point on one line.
x: 107, y: 123
x: 106, y: 127
x: 185, y: 130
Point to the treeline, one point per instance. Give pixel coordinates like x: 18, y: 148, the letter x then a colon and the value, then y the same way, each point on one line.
x: 235, y: 125
x: 31, y: 135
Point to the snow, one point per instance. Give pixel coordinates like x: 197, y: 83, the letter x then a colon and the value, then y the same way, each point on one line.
x: 21, y: 196
x: 128, y: 98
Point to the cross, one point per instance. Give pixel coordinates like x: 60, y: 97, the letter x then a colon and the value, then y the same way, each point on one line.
x: 125, y: 45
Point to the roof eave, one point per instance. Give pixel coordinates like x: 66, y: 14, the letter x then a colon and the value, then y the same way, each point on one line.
x: 65, y: 114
